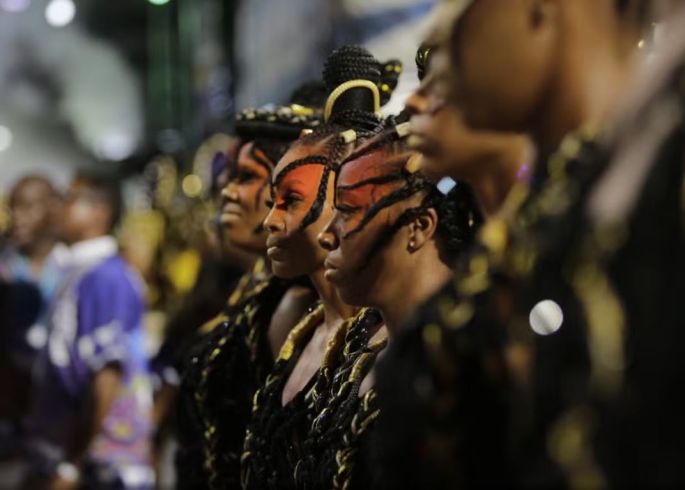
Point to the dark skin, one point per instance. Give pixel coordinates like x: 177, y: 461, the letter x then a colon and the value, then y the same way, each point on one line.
x: 294, y: 251
x: 366, y: 273
x: 87, y: 216
x: 243, y: 209
x: 490, y: 161
x: 34, y: 207
x: 566, y: 64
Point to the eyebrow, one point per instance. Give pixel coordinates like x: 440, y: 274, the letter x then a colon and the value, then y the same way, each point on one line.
x: 295, y: 164
x: 384, y: 202
x: 268, y: 165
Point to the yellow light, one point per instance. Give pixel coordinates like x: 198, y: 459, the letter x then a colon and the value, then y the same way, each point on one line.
x: 192, y: 185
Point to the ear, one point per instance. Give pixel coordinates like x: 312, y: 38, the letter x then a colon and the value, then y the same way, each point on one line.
x: 422, y: 229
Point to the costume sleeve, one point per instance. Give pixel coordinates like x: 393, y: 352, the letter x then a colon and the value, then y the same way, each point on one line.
x: 106, y: 302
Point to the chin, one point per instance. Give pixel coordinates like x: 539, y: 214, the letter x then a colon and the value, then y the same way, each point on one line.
x: 284, y: 271
x: 353, y: 296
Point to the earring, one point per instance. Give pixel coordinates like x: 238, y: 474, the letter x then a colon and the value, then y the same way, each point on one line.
x: 412, y: 245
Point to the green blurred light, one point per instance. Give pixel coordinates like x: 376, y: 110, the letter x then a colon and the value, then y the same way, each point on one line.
x: 158, y: 2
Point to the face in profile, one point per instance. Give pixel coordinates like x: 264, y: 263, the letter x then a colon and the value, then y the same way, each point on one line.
x: 438, y: 130
x: 365, y: 248
x: 502, y: 54
x: 302, y: 188
x: 33, y: 205
x: 243, y: 200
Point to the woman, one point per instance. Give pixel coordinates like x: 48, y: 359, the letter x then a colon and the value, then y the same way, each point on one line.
x: 389, y: 222
x: 302, y: 189
x: 238, y: 348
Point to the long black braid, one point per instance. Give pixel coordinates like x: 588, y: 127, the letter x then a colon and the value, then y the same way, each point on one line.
x: 353, y: 110
x: 329, y: 451
x: 232, y: 357
x: 343, y: 427
x: 458, y: 213
x: 273, y: 442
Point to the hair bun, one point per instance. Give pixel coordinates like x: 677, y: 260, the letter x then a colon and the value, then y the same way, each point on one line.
x: 350, y: 63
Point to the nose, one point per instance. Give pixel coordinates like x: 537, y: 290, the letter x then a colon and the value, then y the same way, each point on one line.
x: 328, y: 240
x: 271, y: 222
x: 230, y: 192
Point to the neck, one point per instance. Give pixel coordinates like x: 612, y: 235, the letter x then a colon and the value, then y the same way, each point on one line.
x: 89, y: 235
x: 508, y: 162
x: 335, y: 309
x: 38, y: 252
x: 427, y: 276
x: 594, y: 67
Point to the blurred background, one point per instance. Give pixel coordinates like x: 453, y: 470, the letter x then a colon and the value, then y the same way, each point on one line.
x: 102, y: 82
x: 146, y: 91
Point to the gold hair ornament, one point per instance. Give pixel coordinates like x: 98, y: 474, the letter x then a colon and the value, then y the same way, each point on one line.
x: 344, y: 87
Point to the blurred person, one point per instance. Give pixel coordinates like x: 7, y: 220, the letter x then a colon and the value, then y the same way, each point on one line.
x: 491, y: 162
x: 621, y: 246
x: 89, y: 425
x: 549, y: 69
x: 390, y: 221
x: 236, y: 350
x: 302, y: 197
x: 33, y: 254
x: 31, y: 264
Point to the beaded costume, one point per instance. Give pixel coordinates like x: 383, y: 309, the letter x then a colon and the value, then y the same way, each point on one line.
x: 233, y: 357
x: 276, y: 453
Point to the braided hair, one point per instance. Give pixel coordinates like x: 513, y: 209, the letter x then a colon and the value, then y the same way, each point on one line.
x: 227, y: 363
x: 458, y: 214
x: 350, y: 109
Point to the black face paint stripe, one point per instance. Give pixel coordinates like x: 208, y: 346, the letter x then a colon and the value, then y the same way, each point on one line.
x: 315, y: 211
x: 406, y: 192
x: 311, y: 160
x: 267, y: 164
x: 380, y: 180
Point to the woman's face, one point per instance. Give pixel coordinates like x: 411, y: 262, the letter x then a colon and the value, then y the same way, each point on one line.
x: 244, y: 200
x: 298, y: 185
x: 365, y: 249
x: 449, y: 146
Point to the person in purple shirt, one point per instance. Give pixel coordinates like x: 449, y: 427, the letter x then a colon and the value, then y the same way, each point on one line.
x: 89, y: 426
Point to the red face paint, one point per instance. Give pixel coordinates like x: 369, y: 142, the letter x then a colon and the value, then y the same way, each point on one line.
x: 292, y: 248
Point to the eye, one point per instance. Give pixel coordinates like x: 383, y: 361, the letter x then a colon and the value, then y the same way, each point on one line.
x: 269, y: 203
x: 346, y: 210
x: 245, y: 176
x: 291, y: 199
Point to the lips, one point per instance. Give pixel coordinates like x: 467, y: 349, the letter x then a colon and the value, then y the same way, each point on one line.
x: 275, y: 248
x: 332, y: 272
x: 230, y: 214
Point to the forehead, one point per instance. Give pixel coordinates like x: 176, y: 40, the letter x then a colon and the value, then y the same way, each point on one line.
x: 376, y: 164
x: 298, y: 152
x: 30, y: 190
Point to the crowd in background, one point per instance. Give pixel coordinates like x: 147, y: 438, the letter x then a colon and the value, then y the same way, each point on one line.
x: 480, y: 289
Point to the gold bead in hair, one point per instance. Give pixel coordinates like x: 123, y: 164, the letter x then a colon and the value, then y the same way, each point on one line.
x: 349, y: 136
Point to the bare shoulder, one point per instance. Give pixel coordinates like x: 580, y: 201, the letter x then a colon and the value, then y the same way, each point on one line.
x: 289, y: 311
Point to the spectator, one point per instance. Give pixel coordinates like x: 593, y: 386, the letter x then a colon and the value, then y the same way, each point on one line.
x: 90, y: 421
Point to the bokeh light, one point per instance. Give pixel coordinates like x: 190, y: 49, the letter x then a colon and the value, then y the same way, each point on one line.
x: 5, y: 138
x: 60, y: 13
x: 546, y: 317
x: 14, y: 5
